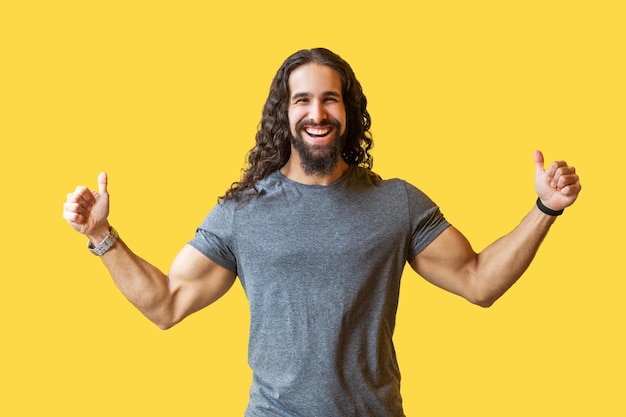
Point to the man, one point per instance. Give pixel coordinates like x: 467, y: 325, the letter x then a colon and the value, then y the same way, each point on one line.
x: 319, y: 243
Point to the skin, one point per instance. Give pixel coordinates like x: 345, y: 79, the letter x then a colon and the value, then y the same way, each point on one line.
x: 194, y: 281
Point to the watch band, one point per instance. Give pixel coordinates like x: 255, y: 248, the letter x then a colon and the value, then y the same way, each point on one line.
x: 105, y: 245
x: 548, y: 210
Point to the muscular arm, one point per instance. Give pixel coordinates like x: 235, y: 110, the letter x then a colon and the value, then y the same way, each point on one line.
x: 194, y: 281
x: 450, y: 262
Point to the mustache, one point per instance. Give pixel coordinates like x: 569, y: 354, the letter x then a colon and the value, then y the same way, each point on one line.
x: 324, y: 122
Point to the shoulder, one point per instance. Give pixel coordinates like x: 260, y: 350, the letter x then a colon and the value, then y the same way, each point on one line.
x: 397, y: 186
x: 412, y: 191
x: 405, y: 194
x: 363, y: 176
x: 219, y: 216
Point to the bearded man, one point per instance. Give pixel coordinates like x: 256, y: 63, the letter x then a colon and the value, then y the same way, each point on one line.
x: 319, y: 243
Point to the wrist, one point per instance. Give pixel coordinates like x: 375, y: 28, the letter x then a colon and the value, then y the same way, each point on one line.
x: 103, y: 243
x: 546, y: 210
x: 98, y: 234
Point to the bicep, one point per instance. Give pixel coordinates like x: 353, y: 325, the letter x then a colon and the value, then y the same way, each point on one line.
x: 196, y: 281
x: 448, y: 262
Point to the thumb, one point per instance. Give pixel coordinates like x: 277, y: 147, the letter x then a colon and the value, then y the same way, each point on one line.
x: 102, y: 183
x: 539, y: 161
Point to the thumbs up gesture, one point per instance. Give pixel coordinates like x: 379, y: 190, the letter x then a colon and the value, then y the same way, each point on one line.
x: 87, y: 210
x: 558, y: 185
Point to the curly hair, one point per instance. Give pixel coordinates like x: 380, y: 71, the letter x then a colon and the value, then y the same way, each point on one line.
x: 273, y: 138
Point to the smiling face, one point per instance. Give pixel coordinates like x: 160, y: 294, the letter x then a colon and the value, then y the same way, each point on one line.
x: 317, y: 117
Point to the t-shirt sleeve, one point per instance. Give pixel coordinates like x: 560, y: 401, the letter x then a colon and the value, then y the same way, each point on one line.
x: 214, y: 237
x: 426, y: 220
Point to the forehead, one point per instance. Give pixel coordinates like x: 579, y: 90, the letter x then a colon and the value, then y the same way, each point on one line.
x: 314, y: 79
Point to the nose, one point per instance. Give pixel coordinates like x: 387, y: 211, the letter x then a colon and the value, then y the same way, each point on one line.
x: 317, y: 112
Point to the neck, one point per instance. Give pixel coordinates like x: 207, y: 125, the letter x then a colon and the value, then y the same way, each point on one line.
x: 294, y: 171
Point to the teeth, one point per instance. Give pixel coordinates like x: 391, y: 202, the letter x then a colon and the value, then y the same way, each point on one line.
x: 317, y: 131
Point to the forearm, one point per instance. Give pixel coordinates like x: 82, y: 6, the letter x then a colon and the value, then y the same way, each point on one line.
x: 144, y: 285
x: 501, y: 264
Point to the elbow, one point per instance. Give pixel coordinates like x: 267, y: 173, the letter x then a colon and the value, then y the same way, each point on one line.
x: 484, y: 303
x: 162, y: 325
x: 483, y: 293
x: 165, y: 324
x: 163, y: 320
x: 483, y: 299
x: 162, y: 314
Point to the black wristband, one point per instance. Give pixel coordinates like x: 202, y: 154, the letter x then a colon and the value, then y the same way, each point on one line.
x: 547, y: 210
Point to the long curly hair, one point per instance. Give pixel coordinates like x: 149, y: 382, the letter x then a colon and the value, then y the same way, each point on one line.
x: 273, y: 138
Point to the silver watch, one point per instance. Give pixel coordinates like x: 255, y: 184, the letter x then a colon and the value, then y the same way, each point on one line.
x: 105, y: 245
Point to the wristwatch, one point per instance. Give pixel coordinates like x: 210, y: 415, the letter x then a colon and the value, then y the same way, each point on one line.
x: 105, y: 245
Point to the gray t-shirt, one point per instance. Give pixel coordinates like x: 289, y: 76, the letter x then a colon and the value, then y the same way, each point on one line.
x: 321, y: 268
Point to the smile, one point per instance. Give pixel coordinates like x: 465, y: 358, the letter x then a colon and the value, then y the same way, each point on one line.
x: 318, y: 131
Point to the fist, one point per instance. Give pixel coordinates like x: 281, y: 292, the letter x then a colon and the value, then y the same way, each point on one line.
x: 87, y: 210
x: 558, y: 185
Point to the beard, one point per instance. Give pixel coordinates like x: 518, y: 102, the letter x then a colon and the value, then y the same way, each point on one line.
x: 318, y: 160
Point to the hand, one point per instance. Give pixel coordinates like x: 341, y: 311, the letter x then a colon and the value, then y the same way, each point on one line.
x: 87, y: 211
x: 558, y: 186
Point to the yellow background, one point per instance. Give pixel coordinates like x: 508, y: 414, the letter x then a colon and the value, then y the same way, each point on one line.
x: 166, y: 97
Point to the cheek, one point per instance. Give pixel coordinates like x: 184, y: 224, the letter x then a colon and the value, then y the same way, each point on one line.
x: 340, y: 114
x: 292, y: 125
x: 294, y: 117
